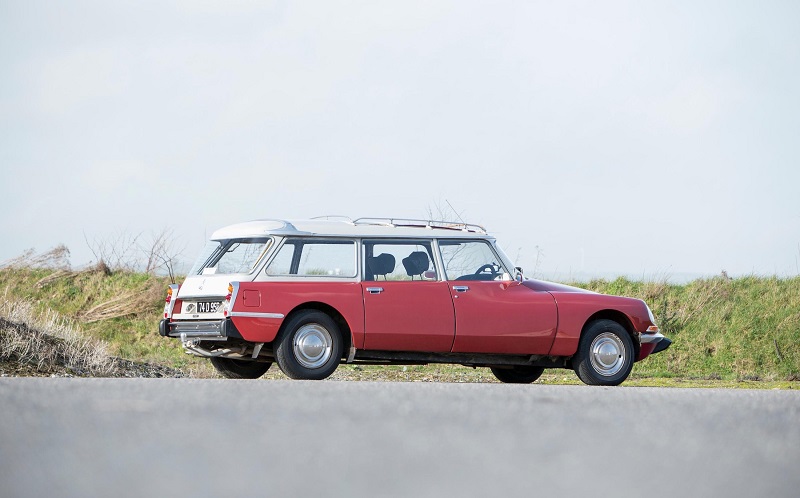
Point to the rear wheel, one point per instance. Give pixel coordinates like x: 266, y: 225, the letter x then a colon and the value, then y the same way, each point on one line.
x: 605, y: 354
x: 517, y: 374
x: 240, y: 369
x: 310, y: 346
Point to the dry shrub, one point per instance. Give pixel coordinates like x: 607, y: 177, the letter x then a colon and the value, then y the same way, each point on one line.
x: 56, y: 258
x: 46, y: 339
x: 100, y: 267
x: 127, y: 303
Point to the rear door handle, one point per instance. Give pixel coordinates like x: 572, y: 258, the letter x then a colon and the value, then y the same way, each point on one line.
x: 460, y: 288
x: 374, y: 290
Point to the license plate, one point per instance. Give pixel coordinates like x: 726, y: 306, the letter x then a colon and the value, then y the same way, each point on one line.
x: 207, y: 307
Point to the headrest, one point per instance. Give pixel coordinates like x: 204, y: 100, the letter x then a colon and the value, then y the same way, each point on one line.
x: 382, y: 264
x: 416, y: 263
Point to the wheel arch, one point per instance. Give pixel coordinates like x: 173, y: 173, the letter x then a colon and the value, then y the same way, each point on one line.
x: 615, y: 316
x: 344, y: 328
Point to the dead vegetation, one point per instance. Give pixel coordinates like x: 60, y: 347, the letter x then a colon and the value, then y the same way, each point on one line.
x: 43, y: 339
x: 56, y: 258
x: 153, y: 254
x: 128, y: 303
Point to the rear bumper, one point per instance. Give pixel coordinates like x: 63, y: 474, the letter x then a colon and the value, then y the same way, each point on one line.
x: 203, y: 330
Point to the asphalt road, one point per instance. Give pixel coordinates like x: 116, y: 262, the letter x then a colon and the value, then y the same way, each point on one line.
x: 183, y: 437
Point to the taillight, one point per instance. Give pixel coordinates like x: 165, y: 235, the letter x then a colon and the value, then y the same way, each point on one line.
x: 168, y: 303
x: 227, y: 305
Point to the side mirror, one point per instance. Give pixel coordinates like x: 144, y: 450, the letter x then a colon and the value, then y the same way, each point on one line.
x: 518, y: 277
x: 429, y: 275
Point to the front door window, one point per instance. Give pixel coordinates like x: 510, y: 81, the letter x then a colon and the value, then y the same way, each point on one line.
x: 470, y: 260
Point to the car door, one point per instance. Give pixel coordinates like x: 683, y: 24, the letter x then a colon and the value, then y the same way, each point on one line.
x: 406, y: 307
x: 494, y: 315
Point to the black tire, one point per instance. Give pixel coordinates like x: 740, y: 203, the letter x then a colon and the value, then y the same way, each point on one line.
x: 240, y: 369
x: 517, y: 374
x: 605, y: 354
x: 309, y: 346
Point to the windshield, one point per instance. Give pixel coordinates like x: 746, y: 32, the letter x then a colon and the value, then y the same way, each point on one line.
x: 504, y: 257
x: 222, y: 257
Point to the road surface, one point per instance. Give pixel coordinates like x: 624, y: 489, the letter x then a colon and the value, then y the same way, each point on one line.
x: 186, y: 437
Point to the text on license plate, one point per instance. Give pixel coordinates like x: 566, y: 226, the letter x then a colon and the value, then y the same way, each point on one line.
x: 207, y: 307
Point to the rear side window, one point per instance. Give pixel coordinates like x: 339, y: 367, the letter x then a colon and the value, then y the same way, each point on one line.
x: 328, y: 258
x: 398, y: 260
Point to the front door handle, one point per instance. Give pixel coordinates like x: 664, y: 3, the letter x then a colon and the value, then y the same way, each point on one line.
x: 460, y: 288
x: 374, y: 290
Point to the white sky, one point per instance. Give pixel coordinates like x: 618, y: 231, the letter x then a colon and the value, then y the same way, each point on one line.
x: 639, y: 138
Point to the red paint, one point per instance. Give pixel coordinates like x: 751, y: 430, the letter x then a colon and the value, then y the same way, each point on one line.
x: 284, y: 297
x: 645, y: 351
x: 408, y: 316
x: 495, y: 317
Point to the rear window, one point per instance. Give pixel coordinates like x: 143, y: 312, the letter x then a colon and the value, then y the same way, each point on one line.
x: 329, y: 258
x: 230, y: 256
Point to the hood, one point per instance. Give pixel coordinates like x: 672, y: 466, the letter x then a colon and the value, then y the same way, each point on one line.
x: 543, y: 286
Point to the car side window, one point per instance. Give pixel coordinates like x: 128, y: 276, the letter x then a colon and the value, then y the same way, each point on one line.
x: 329, y: 258
x: 470, y: 260
x: 399, y: 261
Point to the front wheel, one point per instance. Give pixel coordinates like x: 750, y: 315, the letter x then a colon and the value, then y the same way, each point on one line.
x: 309, y: 347
x: 240, y: 369
x: 605, y: 354
x: 517, y: 374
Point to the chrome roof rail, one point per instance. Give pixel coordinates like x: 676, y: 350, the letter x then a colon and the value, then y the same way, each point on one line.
x: 409, y: 222
x: 333, y: 217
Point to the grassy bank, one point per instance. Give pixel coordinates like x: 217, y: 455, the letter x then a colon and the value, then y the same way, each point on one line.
x: 724, y: 331
x: 730, y: 329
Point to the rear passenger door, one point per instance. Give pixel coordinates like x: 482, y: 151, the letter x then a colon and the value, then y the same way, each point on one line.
x: 406, y: 306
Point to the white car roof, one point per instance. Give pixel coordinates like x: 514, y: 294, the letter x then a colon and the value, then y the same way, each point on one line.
x: 362, y: 227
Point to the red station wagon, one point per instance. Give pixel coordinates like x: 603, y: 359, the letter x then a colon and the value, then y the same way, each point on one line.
x: 312, y: 294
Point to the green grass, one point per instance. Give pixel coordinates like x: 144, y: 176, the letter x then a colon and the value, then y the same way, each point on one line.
x: 725, y: 332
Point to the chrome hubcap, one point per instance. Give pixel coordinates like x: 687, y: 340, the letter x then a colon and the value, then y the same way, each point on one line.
x: 607, y: 354
x: 312, y: 345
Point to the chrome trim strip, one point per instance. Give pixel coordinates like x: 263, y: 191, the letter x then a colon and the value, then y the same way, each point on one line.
x: 255, y: 314
x: 650, y: 338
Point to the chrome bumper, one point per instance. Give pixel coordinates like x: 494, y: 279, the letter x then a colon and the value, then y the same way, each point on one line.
x: 658, y: 339
x: 206, y: 331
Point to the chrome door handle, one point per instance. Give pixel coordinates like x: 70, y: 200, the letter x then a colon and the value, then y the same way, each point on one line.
x: 374, y: 290
x: 460, y: 288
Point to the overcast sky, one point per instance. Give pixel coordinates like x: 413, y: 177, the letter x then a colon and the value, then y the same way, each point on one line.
x: 638, y: 138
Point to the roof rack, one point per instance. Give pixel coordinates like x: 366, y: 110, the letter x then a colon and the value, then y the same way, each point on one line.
x: 407, y: 222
